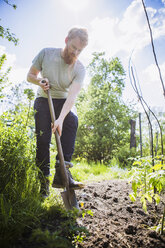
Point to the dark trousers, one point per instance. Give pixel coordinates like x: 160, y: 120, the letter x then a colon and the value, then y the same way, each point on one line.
x: 44, y: 132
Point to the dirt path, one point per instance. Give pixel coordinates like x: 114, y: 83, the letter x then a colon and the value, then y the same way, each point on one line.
x: 117, y: 222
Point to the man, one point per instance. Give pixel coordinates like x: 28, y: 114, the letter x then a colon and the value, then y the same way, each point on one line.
x: 63, y: 74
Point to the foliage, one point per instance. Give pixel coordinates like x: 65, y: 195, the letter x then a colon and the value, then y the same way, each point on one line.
x: 5, y: 32
x: 148, y: 181
x: 126, y: 156
x: 67, y: 234
x: 18, y: 175
x: 103, y: 117
x: 3, y: 75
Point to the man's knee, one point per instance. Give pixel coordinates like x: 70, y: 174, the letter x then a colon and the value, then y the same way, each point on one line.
x: 43, y: 138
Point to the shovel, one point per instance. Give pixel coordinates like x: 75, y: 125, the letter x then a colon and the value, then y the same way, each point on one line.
x: 68, y: 195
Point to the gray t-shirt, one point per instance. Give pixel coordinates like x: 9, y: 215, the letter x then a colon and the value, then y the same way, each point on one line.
x: 60, y: 75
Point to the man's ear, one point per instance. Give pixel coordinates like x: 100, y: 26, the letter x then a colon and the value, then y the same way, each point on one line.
x: 66, y: 40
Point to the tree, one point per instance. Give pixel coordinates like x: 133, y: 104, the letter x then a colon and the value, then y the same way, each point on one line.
x: 103, y: 116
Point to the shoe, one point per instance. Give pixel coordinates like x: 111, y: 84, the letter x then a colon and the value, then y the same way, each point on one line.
x: 74, y: 184
x: 57, y: 181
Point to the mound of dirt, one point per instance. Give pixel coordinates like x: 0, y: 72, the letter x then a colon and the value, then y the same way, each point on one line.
x: 116, y: 221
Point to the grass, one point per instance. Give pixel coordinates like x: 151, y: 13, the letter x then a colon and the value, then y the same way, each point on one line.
x: 88, y: 172
x: 98, y: 172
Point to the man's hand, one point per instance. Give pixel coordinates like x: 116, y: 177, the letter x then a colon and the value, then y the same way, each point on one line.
x: 57, y: 125
x: 44, y: 84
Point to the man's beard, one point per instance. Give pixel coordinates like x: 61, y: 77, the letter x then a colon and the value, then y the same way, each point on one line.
x: 68, y: 57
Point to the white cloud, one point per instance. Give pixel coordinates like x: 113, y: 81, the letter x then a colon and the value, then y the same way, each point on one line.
x: 131, y: 32
x: 17, y: 73
x: 10, y: 58
x: 151, y: 73
x: 151, y: 86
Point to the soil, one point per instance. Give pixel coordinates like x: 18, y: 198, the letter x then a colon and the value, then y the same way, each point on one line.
x: 116, y: 221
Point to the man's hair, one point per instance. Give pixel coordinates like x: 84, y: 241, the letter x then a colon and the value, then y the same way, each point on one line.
x: 82, y: 33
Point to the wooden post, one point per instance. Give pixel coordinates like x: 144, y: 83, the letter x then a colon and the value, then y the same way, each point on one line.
x: 133, y: 135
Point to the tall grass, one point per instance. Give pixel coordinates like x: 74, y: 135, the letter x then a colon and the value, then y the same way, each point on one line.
x: 19, y: 185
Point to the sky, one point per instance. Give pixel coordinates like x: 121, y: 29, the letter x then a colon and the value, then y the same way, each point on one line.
x: 119, y: 28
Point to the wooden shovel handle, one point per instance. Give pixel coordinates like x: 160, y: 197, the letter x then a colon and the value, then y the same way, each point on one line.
x: 58, y: 141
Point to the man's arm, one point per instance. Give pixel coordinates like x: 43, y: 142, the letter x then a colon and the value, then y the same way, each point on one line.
x: 32, y: 77
x: 72, y: 94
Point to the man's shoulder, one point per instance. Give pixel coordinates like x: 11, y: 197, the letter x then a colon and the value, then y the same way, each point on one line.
x: 79, y: 65
x: 50, y: 50
x: 79, y: 69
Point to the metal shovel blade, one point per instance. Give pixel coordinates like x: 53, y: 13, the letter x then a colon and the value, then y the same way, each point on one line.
x: 69, y: 199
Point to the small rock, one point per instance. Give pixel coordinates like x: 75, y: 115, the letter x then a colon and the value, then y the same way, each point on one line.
x: 129, y: 209
x: 131, y: 230
x: 153, y: 234
x: 93, y: 207
x: 105, y: 244
x: 140, y: 212
x: 107, y: 236
x: 115, y: 199
x: 95, y: 194
x: 105, y: 197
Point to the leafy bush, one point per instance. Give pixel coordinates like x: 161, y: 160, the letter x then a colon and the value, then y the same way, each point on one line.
x: 19, y: 186
x: 125, y: 156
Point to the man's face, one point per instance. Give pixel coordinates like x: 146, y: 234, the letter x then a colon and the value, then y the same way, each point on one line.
x: 72, y: 50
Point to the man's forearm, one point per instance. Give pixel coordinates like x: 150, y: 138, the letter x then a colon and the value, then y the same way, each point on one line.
x: 33, y: 79
x: 66, y: 108
x: 70, y: 101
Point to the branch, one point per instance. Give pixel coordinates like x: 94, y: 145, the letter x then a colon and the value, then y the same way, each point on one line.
x: 153, y: 49
x: 13, y: 5
x: 139, y: 93
x: 134, y: 85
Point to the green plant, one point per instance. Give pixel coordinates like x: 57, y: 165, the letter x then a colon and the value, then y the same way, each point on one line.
x: 148, y: 182
x: 3, y: 75
x: 67, y: 232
